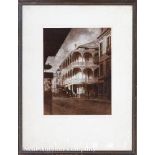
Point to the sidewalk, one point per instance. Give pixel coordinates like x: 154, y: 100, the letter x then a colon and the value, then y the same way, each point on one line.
x: 86, y: 99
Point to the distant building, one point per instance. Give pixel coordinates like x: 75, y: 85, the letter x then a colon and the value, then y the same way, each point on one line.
x: 56, y: 82
x: 48, y: 91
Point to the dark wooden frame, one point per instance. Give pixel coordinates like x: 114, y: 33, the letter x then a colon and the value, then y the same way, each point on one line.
x: 134, y: 73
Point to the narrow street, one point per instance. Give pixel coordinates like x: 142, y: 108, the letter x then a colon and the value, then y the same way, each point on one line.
x: 78, y: 106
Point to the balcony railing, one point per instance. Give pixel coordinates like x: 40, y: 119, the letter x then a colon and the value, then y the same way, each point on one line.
x: 86, y: 63
x: 80, y: 81
x: 78, y: 64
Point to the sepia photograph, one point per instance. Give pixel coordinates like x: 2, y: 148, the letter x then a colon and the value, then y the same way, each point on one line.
x: 77, y: 78
x: 77, y: 71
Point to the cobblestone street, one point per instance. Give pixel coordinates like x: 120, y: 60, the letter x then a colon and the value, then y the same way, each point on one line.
x: 78, y: 106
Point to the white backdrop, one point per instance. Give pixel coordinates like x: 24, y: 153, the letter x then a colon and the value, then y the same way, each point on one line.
x: 111, y: 132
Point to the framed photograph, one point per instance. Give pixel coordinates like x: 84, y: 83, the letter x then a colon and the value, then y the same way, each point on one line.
x: 77, y: 77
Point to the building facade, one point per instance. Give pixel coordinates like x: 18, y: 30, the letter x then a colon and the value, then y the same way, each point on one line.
x: 105, y: 62
x: 79, y: 72
x: 86, y: 71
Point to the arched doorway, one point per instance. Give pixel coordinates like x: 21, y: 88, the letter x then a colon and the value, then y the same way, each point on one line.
x: 88, y: 74
x: 76, y: 57
x: 88, y: 57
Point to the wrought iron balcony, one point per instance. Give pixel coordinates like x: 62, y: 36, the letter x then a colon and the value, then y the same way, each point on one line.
x: 86, y: 63
x: 80, y: 81
x: 78, y: 65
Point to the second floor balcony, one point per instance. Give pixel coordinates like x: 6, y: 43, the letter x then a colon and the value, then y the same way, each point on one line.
x: 82, y: 64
